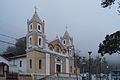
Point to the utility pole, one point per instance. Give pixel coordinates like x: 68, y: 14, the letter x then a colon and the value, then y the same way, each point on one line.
x: 116, y: 72
x: 89, y: 52
x: 101, y: 65
x: 75, y: 65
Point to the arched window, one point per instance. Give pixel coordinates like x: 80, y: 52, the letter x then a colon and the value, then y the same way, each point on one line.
x: 31, y: 27
x: 30, y: 41
x: 30, y: 63
x: 64, y: 41
x: 40, y: 64
x: 39, y: 41
x: 20, y: 63
x: 39, y: 28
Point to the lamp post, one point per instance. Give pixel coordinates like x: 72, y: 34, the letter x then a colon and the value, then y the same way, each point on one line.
x: 107, y: 71
x: 83, y: 63
x: 101, y: 64
x: 116, y: 72
x: 89, y: 52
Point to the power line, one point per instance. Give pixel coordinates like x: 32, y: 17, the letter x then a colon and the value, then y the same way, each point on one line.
x: 6, y: 42
x: 8, y: 36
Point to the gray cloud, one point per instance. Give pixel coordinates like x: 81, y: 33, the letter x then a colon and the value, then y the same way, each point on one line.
x: 87, y: 22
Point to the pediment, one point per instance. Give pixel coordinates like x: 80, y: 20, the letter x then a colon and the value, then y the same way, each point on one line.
x: 57, y: 46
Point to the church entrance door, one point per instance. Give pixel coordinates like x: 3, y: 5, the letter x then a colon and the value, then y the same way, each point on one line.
x: 58, y: 68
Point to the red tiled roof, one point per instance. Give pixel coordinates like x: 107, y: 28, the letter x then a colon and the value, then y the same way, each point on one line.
x: 8, y: 56
x: 18, y: 56
x: 5, y: 57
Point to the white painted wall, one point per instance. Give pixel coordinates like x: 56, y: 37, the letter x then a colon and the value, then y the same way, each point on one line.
x: 4, y: 60
x: 47, y: 64
x: 15, y: 65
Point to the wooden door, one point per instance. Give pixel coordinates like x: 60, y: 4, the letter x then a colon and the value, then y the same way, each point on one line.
x: 58, y: 68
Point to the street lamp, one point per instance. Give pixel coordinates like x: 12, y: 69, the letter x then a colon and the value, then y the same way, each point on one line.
x: 107, y: 71
x: 101, y: 64
x: 89, y: 52
x: 83, y: 63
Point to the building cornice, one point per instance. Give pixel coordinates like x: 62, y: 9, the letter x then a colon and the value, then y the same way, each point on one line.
x: 35, y: 48
x: 36, y: 32
x: 38, y: 21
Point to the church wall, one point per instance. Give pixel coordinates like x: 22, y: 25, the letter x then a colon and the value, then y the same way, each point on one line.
x: 64, y: 65
x: 14, y: 65
x: 27, y: 41
x: 67, y: 65
x: 24, y: 64
x: 47, y: 64
x: 35, y: 56
x: 52, y: 64
x: 71, y: 63
x: 35, y: 41
x: 43, y: 29
x: 67, y: 41
x: 27, y: 27
x: 44, y: 42
x: 34, y: 25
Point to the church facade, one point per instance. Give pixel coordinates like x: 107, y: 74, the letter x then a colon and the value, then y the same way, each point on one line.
x: 43, y: 56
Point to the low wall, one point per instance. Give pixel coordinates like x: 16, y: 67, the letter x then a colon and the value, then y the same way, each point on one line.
x: 2, y: 78
x: 56, y: 76
x: 24, y: 77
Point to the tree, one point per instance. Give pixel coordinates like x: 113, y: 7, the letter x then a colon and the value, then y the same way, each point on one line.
x: 107, y: 3
x: 111, y: 44
x: 19, y: 47
x: 95, y: 65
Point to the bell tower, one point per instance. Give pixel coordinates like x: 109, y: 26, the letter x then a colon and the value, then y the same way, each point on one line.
x: 35, y: 32
x: 35, y: 43
x: 67, y: 41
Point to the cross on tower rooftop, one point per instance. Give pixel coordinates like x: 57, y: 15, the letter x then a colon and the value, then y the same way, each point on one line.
x: 35, y: 8
x: 66, y: 27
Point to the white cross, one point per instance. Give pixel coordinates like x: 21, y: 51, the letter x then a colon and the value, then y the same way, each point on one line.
x: 66, y: 27
x: 35, y: 8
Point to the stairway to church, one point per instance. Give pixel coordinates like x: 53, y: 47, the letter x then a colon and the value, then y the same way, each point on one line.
x: 62, y: 76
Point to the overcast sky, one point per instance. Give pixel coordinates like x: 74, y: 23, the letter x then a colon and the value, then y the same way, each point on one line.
x: 88, y: 23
